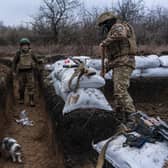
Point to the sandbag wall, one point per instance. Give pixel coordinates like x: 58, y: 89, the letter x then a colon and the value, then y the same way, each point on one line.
x: 79, y: 127
x: 149, y: 80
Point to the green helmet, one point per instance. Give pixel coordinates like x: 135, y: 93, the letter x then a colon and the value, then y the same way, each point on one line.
x: 24, y: 41
x: 106, y: 16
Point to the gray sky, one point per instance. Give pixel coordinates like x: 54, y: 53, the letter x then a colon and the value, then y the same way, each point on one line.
x: 15, y: 12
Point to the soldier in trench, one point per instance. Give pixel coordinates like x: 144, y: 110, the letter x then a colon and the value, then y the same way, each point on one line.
x: 23, y: 66
x: 120, y: 48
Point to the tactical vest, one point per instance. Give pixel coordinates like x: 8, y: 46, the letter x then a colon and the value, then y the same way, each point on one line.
x: 25, y: 61
x: 125, y: 46
x: 132, y: 39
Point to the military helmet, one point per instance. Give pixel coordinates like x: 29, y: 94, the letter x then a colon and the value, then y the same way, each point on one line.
x: 24, y: 41
x: 106, y: 16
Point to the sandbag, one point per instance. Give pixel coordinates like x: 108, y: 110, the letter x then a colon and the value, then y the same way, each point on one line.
x: 136, y: 74
x: 150, y: 155
x: 95, y: 63
x: 65, y: 74
x: 59, y: 91
x: 155, y: 72
x: 94, y: 81
x: 84, y: 59
x: 108, y: 75
x: 90, y: 98
x: 151, y: 61
x: 164, y: 61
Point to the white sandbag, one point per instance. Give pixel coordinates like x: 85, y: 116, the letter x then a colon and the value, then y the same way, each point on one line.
x: 95, y: 63
x: 65, y: 74
x: 164, y: 60
x: 149, y: 156
x: 84, y: 59
x: 59, y: 91
x: 151, y: 61
x: 108, y: 75
x: 58, y: 67
x: 86, y: 99
x: 136, y: 74
x: 94, y: 81
x: 155, y: 72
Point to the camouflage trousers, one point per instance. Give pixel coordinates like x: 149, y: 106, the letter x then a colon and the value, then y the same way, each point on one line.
x: 26, y: 81
x: 121, y: 82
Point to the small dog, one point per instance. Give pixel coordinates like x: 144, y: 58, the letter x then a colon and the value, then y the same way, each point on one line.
x: 10, y: 148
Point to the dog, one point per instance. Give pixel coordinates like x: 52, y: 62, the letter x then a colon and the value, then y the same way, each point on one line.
x: 10, y: 148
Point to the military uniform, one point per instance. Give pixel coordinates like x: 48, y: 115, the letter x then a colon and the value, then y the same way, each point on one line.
x: 23, y: 65
x: 121, y: 48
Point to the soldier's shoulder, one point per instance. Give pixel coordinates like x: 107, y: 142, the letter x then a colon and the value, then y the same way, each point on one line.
x: 118, y: 27
x: 31, y: 51
x: 18, y: 52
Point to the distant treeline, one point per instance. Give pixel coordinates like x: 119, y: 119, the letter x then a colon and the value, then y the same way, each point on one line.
x: 67, y: 22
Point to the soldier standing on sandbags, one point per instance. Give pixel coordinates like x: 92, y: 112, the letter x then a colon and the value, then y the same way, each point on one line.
x: 23, y: 65
x: 120, y: 49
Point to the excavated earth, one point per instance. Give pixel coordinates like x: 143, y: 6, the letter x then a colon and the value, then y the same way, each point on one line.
x: 41, y: 145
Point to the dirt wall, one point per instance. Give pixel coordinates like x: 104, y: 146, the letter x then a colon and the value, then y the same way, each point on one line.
x: 6, y: 97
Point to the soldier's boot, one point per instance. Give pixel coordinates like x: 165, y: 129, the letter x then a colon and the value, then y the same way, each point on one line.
x: 119, y: 114
x: 130, y: 119
x: 31, y: 100
x: 21, y: 98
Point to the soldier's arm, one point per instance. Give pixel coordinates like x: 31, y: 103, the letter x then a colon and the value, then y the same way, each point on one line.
x: 117, y: 33
x: 15, y: 61
x: 36, y: 60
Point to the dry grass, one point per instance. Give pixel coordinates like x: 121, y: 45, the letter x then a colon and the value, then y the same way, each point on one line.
x: 94, y: 51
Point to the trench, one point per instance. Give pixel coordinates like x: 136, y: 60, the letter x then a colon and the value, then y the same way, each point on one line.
x: 65, y: 142
x: 81, y: 127
x: 41, y: 144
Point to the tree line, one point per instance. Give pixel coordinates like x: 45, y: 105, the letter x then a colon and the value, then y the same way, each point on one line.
x: 68, y: 22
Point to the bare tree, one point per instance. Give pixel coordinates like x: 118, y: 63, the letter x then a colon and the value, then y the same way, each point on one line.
x: 51, y: 14
x: 130, y: 10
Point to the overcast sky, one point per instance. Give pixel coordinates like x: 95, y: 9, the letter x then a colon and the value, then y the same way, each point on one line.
x: 16, y: 12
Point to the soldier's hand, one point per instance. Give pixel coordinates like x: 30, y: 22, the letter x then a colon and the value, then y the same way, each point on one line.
x: 101, y: 45
x: 102, y: 73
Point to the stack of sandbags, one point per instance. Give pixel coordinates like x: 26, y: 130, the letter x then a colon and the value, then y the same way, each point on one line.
x: 157, y: 67
x: 136, y: 74
x: 164, y: 61
x: 87, y: 95
x: 130, y: 157
x: 95, y: 63
x: 150, y: 66
x: 151, y: 61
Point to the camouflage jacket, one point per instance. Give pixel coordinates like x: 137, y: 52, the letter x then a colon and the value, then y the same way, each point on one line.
x: 121, y: 45
x: 24, y: 61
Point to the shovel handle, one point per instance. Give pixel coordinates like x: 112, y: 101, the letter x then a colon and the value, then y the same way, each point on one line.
x: 103, y: 57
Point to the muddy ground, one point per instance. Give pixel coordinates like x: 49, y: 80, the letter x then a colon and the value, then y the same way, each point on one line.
x: 57, y: 141
x: 39, y: 145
